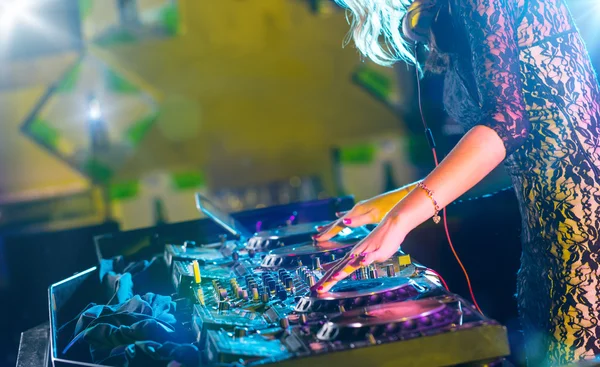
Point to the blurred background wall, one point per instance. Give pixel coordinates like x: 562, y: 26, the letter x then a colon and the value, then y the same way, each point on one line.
x: 230, y: 94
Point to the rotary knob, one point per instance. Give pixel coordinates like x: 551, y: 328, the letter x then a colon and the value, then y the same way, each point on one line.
x: 240, y: 332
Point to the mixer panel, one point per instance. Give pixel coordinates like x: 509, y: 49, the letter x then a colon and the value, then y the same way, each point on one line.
x: 255, y: 307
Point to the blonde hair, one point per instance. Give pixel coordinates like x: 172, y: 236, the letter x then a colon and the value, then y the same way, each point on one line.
x: 375, y: 29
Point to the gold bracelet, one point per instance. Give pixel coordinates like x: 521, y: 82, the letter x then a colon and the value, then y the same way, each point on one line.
x: 436, y: 216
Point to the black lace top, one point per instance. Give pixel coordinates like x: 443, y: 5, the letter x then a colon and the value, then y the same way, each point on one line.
x: 521, y: 68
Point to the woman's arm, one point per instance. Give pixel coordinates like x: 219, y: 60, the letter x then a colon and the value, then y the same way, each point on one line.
x: 503, y: 129
x: 473, y: 158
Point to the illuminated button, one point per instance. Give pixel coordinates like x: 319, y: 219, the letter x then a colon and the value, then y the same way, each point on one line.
x: 196, y: 269
x: 404, y: 260
x: 255, y: 295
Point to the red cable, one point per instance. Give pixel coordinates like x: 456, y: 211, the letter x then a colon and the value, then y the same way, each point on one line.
x: 435, y: 159
x: 440, y: 278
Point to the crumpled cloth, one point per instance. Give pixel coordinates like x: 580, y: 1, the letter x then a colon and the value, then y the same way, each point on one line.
x: 137, y: 330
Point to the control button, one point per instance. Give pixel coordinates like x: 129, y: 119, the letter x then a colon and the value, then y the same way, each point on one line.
x: 288, y: 282
x: 284, y: 322
x: 282, y: 294
x: 404, y: 260
x: 390, y: 271
x: 255, y: 295
x: 196, y: 270
x: 358, y: 275
x: 251, y: 253
x: 224, y: 306
x: 317, y: 263
x: 364, y: 274
x: 235, y: 256
x: 265, y: 297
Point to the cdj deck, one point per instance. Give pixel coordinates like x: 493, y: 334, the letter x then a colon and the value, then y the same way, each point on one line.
x: 252, y: 304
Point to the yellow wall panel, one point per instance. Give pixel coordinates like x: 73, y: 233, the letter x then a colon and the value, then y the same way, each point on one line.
x: 267, y: 86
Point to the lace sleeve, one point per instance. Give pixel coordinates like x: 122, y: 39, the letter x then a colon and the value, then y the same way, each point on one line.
x: 495, y: 61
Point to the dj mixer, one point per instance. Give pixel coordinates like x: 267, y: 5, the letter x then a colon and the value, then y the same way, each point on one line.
x: 253, y: 305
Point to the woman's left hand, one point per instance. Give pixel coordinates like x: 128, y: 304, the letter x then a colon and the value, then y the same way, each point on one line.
x: 378, y: 246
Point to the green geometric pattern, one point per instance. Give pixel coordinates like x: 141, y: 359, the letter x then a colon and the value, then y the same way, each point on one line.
x: 117, y: 83
x: 182, y: 180
x: 158, y: 19
x: 44, y: 132
x: 358, y: 154
x: 61, y: 121
x: 188, y: 180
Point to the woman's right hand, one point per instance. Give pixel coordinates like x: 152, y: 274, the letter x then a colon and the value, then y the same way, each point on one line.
x: 369, y: 211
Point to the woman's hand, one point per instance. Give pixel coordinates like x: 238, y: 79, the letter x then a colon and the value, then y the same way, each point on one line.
x: 378, y: 246
x: 369, y: 211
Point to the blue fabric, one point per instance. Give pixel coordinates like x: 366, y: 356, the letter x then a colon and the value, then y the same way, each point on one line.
x: 138, y: 330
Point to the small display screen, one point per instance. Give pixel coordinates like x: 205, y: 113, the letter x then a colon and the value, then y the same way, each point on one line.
x: 221, y: 217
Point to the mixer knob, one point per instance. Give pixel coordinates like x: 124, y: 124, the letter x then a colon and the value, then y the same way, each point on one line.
x: 303, y: 319
x: 224, y: 306
x: 284, y: 322
x: 255, y: 295
x: 265, y: 297
x: 288, y: 282
x: 240, y: 332
x: 251, y: 253
x: 311, y: 280
x: 390, y: 270
x: 240, y: 293
x: 281, y: 272
x: 364, y: 274
x: 235, y: 256
x: 282, y: 294
x: 317, y: 263
x: 372, y: 272
x: 358, y: 275
x: 271, y: 284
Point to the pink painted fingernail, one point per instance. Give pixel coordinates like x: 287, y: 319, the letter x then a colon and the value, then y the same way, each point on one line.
x: 347, y: 221
x: 320, y: 288
x: 336, y: 274
x: 316, y: 236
